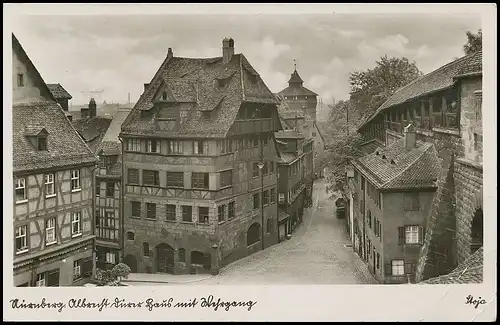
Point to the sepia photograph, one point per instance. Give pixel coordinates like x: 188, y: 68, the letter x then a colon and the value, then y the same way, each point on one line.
x: 261, y: 149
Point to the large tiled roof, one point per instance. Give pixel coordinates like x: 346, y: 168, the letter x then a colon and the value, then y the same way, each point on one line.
x: 58, y: 91
x: 396, y: 167
x: 436, y: 80
x: 92, y: 130
x: 65, y: 147
x: 214, y: 89
x: 471, y: 271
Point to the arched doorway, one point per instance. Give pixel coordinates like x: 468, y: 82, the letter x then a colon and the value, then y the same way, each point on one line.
x: 131, y: 261
x: 253, y: 234
x: 164, y: 259
x: 476, y: 232
x: 203, y: 259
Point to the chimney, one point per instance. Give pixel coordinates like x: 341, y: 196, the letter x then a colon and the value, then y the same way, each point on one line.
x: 410, y: 137
x: 170, y: 54
x: 146, y: 86
x: 227, y: 49
x: 92, y: 108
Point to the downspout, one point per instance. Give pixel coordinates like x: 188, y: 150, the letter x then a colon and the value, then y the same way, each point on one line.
x: 94, y: 242
x: 122, y: 214
x: 262, y: 190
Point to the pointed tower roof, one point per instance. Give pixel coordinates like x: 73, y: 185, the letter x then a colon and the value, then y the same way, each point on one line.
x: 295, y: 79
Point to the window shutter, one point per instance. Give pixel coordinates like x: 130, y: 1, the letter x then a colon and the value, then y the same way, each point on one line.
x: 388, y: 270
x: 401, y: 235
x: 408, y: 268
x: 421, y: 235
x: 53, y: 278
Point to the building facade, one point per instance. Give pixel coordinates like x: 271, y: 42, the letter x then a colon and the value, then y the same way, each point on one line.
x: 199, y: 164
x: 53, y: 186
x: 445, y: 107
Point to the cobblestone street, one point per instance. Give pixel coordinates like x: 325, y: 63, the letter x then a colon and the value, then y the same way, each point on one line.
x: 314, y: 255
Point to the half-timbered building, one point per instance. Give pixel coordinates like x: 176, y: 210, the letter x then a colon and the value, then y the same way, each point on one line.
x: 445, y: 107
x: 199, y: 162
x: 53, y: 185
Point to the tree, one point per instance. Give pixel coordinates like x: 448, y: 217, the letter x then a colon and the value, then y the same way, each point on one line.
x: 474, y: 42
x: 342, y: 151
x: 371, y: 88
x: 114, y: 276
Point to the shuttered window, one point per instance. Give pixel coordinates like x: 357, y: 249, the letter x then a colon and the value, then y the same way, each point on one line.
x: 187, y: 213
x: 151, y: 177
x: 136, y: 209
x: 133, y: 176
x: 226, y: 178
x: 200, y: 180
x: 170, y: 212
x: 175, y: 179
x: 151, y: 210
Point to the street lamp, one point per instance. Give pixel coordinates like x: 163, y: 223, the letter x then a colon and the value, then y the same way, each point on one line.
x: 261, y: 167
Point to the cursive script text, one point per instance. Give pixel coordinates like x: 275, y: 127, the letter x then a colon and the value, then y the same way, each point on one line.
x: 469, y: 300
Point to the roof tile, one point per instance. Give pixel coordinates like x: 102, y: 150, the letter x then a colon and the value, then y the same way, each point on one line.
x: 471, y: 271
x: 58, y: 91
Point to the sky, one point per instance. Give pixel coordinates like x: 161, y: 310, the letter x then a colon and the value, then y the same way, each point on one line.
x: 118, y: 54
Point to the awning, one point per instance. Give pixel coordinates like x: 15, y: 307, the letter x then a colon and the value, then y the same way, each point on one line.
x: 282, y: 215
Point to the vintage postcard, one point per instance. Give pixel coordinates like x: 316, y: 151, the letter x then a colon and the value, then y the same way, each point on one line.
x: 242, y: 162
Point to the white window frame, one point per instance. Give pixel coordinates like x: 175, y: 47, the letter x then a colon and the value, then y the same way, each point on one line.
x: 398, y: 267
x: 149, y: 146
x: 110, y: 258
x: 75, y: 178
x: 20, y: 184
x: 412, y: 235
x: 76, y: 221
x: 134, y: 145
x: 41, y: 280
x: 22, y: 234
x: 196, y: 147
x: 175, y: 147
x: 77, y: 269
x: 50, y: 228
x: 49, y: 184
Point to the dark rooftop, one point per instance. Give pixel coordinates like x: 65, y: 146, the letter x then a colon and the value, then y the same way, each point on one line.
x: 58, y: 91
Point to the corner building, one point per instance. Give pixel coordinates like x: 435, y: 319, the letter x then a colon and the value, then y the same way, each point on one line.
x: 199, y: 166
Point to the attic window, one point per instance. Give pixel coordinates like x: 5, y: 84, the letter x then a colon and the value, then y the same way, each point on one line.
x: 393, y: 162
x: 20, y: 80
x: 384, y: 157
x: 377, y: 153
x: 41, y: 143
x: 164, y: 96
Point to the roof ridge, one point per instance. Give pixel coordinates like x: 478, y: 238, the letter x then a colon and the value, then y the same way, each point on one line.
x: 409, y: 166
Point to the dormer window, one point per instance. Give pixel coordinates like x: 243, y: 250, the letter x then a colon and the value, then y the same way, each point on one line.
x: 164, y: 95
x: 41, y: 143
x: 393, y: 162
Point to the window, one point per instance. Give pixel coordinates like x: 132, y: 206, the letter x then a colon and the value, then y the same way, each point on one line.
x: 199, y: 180
x: 265, y: 141
x: 150, y: 177
x: 271, y: 167
x: 230, y: 210
x: 314, y: 134
x: 111, y: 257
x: 182, y: 255
x: 133, y: 145
x: 77, y: 269
x: 272, y: 195
x: 478, y: 141
x: 369, y: 219
x: 41, y: 143
x: 136, y: 209
x: 269, y: 226
x: 110, y: 189
x: 20, y: 80
x: 174, y: 147
x: 411, y: 202
x: 106, y: 225
x: 187, y: 213
x: 40, y: 279
x: 255, y: 169
x: 76, y: 224
x: 200, y: 147
x: 133, y: 176
x: 398, y: 267
x: 226, y: 146
x: 50, y: 231
x: 21, y: 239
x: 153, y: 146
x: 378, y: 261
x: 255, y: 142
x: 151, y: 210
x: 256, y: 202
x: 170, y: 212
x: 175, y: 179
x: 203, y: 215
x: 75, y: 180
x: 281, y: 198
x: 264, y: 169
x: 265, y: 197
x: 226, y: 178
x: 97, y: 188
x: 20, y: 190
x: 130, y: 235
x: 413, y: 235
x: 221, y: 213
x: 145, y: 249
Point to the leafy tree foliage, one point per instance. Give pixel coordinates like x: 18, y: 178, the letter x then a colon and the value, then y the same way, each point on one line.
x: 474, y: 42
x: 371, y: 88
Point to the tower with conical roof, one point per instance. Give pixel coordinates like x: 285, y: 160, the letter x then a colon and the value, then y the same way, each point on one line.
x: 299, y: 97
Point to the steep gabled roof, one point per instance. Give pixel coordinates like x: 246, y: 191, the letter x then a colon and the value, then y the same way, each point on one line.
x: 58, y: 91
x: 209, y: 85
x: 29, y: 116
x: 437, y: 80
x: 470, y: 271
x: 397, y: 167
x: 92, y: 130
